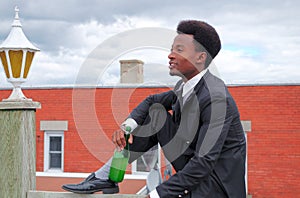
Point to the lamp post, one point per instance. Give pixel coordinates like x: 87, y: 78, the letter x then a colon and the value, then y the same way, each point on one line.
x: 16, y: 54
x: 17, y: 117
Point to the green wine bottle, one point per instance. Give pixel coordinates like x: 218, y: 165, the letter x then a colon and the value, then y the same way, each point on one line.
x: 120, y: 161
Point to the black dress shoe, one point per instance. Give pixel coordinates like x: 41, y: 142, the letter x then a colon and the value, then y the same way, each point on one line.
x: 91, y: 185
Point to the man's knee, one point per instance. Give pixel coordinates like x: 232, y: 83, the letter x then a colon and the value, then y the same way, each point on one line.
x: 158, y: 115
x: 156, y: 120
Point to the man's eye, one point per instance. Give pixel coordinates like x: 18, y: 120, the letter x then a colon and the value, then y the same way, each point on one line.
x: 179, y: 49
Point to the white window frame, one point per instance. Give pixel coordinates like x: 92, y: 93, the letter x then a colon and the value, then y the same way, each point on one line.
x: 53, y: 128
x: 47, y: 136
x: 247, y: 126
x: 134, y: 164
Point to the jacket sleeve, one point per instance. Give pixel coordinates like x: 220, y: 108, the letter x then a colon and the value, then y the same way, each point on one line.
x: 165, y: 99
x: 215, y: 121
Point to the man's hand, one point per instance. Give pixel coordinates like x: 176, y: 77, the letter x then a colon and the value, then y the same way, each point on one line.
x: 118, y: 139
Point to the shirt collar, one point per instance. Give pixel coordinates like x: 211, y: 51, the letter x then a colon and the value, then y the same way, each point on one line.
x: 190, y: 84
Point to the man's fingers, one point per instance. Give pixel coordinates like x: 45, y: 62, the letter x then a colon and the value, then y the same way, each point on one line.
x: 130, y: 140
x: 118, y: 139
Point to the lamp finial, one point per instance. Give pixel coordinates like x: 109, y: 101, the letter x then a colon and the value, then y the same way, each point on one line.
x: 17, y: 12
x: 16, y: 22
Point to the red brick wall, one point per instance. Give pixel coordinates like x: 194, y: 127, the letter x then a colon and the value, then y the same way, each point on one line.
x: 274, y: 142
x: 93, y: 115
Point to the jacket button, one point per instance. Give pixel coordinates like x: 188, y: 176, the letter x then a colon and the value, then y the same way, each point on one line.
x: 187, y: 142
x: 179, y: 196
x: 186, y: 192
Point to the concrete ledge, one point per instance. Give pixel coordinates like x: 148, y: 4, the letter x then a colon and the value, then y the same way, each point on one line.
x: 53, y: 125
x: 246, y: 125
x: 26, y: 104
x: 46, y: 194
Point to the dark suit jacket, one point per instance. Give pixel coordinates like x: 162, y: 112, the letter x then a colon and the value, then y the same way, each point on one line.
x: 209, y: 148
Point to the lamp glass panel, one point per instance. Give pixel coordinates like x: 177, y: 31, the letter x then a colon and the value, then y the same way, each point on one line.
x: 16, y: 62
x: 4, y: 63
x: 29, y: 57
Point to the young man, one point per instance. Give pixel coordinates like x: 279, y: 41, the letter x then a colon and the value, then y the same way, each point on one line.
x: 202, y: 137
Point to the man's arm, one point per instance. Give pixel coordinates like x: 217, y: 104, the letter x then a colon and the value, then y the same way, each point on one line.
x: 139, y: 114
x: 166, y: 99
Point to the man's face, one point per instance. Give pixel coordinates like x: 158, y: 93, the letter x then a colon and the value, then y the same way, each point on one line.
x: 184, y: 59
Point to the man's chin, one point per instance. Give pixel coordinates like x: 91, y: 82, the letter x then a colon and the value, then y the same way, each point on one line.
x: 174, y: 73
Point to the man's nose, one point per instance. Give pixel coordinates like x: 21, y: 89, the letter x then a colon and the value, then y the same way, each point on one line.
x: 171, y: 55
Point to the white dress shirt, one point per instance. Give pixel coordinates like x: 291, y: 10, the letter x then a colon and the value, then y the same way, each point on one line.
x: 189, y: 86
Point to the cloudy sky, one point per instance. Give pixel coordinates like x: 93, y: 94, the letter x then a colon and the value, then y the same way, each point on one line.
x: 260, y: 39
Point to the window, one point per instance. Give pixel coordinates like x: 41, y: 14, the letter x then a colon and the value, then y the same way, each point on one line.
x: 147, y: 161
x: 54, y: 144
x: 54, y: 151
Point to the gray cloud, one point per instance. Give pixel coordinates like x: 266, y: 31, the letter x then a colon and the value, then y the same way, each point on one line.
x: 260, y: 40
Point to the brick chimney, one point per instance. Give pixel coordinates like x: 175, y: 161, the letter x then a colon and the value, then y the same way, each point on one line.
x: 132, y: 71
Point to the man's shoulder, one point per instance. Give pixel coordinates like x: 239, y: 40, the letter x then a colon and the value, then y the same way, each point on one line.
x: 213, y: 86
x: 213, y: 79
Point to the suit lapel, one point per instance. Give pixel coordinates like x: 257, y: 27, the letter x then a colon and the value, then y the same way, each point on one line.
x: 197, y: 89
x: 178, y: 104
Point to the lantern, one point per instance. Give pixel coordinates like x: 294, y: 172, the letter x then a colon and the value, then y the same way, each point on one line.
x: 16, y: 53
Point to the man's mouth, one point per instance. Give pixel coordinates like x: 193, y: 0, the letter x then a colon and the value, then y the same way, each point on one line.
x: 171, y: 65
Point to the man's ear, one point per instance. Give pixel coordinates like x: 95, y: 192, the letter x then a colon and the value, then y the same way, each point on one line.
x: 201, y: 57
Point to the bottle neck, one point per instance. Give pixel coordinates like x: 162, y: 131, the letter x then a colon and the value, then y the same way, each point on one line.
x: 127, y: 144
